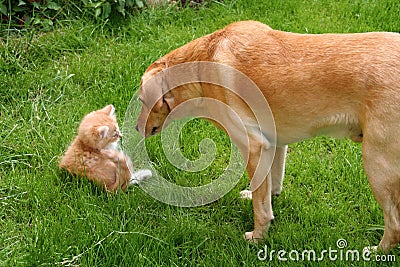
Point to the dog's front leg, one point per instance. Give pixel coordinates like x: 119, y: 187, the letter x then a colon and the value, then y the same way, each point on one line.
x: 259, y: 161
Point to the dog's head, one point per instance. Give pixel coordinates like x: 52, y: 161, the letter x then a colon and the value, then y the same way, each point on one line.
x: 157, y: 101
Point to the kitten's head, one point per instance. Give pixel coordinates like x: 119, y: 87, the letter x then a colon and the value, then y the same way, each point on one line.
x: 99, y: 128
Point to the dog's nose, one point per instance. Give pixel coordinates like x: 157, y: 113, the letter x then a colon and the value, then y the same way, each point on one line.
x: 154, y: 130
x: 137, y: 128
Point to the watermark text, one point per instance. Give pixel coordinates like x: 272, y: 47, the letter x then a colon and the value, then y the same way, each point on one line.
x: 338, y: 253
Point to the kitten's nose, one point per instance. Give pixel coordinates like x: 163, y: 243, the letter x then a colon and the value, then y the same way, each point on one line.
x: 137, y: 128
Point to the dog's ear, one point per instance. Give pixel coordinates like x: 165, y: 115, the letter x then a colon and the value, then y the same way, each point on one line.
x: 153, y: 87
x: 168, y: 96
x: 156, y: 89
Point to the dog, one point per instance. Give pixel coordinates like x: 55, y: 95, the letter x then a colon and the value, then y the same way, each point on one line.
x: 340, y: 85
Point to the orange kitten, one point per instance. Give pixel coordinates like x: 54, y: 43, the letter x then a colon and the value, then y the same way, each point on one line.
x: 94, y: 153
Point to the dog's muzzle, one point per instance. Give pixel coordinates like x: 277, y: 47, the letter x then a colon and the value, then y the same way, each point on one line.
x: 154, y: 130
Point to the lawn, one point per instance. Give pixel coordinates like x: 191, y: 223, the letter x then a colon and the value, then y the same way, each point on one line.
x: 50, y: 80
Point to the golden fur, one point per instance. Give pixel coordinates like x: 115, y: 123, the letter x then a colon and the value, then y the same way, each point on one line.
x: 342, y: 85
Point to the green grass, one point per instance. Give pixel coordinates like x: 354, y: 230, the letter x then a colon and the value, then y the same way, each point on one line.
x: 50, y: 80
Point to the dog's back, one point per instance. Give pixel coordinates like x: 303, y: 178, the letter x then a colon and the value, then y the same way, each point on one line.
x: 349, y: 70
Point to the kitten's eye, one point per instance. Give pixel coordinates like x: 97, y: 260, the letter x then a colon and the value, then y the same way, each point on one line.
x: 116, y: 134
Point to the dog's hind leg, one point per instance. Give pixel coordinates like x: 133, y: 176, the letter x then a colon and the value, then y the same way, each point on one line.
x: 277, y: 174
x: 382, y: 166
x: 278, y: 170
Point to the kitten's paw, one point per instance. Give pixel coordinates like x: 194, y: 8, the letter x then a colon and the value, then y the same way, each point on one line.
x: 139, y: 176
x: 245, y: 194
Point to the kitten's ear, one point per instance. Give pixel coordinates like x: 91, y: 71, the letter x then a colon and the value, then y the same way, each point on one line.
x: 109, y: 110
x: 103, y: 131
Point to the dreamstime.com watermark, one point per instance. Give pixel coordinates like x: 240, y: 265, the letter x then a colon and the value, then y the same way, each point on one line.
x: 338, y: 253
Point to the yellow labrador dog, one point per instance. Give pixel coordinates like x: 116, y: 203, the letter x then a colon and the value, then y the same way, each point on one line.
x: 342, y: 85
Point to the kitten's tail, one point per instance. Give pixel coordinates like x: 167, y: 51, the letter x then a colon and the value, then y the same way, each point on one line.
x: 139, y: 176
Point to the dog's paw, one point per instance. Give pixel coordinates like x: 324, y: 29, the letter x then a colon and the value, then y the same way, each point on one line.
x: 139, y: 176
x: 245, y: 194
x: 276, y: 191
x: 251, y: 237
x: 248, y: 236
x: 370, y: 250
